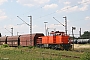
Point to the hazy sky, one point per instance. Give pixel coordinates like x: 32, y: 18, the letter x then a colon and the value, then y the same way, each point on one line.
x: 76, y: 11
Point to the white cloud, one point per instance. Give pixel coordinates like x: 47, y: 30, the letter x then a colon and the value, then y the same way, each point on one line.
x: 11, y: 0
x: 50, y: 6
x: 32, y: 2
x: 84, y: 6
x: 84, y: 2
x: 68, y: 9
x: 67, y: 3
x: 2, y: 1
x: 87, y: 18
x: 2, y: 15
x: 73, y: 9
x: 60, y: 1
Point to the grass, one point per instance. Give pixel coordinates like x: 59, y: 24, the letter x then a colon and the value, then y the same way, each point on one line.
x: 25, y: 53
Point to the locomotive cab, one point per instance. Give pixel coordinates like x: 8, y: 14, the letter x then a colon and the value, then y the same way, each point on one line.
x: 61, y: 40
x: 56, y: 40
x: 57, y: 33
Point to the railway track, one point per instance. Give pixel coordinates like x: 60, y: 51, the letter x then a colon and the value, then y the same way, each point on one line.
x: 62, y: 55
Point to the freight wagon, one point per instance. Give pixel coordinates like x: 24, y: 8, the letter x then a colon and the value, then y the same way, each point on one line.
x: 22, y: 40
x: 56, y: 40
x: 3, y: 40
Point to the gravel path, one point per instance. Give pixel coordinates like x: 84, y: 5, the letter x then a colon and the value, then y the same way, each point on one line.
x: 81, y: 45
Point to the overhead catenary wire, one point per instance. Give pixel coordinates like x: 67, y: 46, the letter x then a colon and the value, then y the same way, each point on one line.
x: 58, y: 21
x: 38, y: 8
x: 61, y: 10
x: 23, y: 21
x: 32, y: 11
x: 8, y: 30
x: 52, y: 12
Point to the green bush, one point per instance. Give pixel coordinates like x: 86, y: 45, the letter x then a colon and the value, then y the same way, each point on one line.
x: 86, y: 57
x: 5, y: 45
x: 0, y: 46
x: 20, y: 46
x: 30, y: 47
